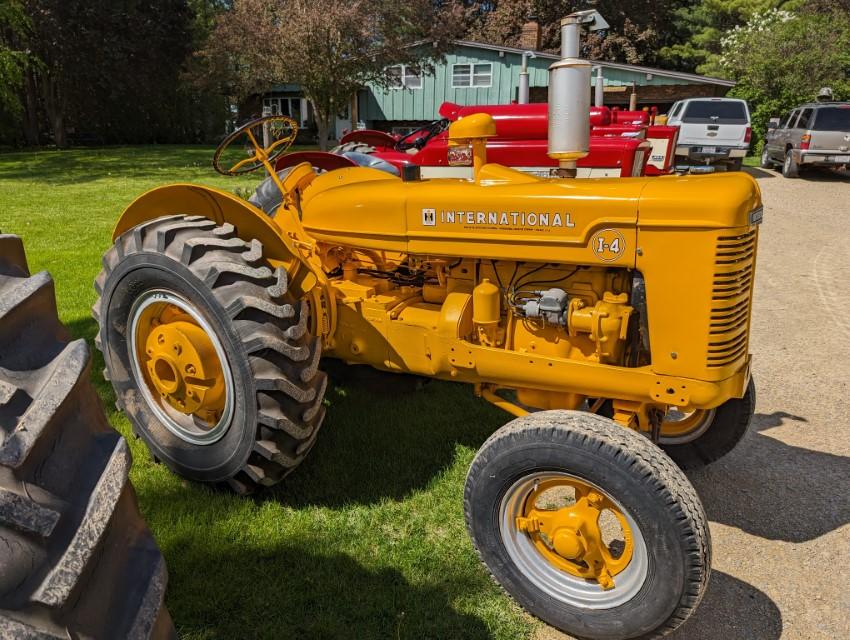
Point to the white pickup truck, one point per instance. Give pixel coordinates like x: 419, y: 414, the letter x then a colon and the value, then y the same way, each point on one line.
x: 712, y: 132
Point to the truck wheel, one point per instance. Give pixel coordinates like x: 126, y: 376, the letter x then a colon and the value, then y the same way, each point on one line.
x: 697, y: 439
x: 789, y: 167
x: 589, y: 526
x: 735, y: 165
x: 209, y: 354
x: 766, y: 162
x: 77, y: 559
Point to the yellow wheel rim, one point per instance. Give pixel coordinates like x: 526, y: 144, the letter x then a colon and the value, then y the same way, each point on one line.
x: 572, y: 540
x: 180, y: 367
x: 680, y: 427
x: 571, y: 537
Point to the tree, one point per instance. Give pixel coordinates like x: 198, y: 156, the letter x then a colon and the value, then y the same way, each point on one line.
x: 329, y: 49
x: 13, y: 58
x: 639, y: 28
x: 781, y: 59
x: 700, y: 26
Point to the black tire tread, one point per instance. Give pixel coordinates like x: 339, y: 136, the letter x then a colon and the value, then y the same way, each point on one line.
x: 271, y: 328
x: 728, y: 428
x: 672, y: 487
x: 78, y: 559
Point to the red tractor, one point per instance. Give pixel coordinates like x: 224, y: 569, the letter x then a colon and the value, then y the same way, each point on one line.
x: 622, y: 144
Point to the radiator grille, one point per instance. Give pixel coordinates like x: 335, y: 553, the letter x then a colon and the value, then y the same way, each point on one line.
x: 731, y: 295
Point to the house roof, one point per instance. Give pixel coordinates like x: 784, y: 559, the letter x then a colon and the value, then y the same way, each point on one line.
x: 679, y: 75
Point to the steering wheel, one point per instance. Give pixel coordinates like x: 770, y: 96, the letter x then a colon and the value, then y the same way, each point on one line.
x: 265, y: 140
x: 419, y: 138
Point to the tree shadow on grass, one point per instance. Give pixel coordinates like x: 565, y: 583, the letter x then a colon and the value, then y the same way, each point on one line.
x: 82, y: 165
x: 732, y: 610
x: 384, y: 436
x: 774, y: 490
x: 77, y: 166
x: 292, y: 592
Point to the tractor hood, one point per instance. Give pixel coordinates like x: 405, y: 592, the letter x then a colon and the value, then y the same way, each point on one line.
x: 509, y: 215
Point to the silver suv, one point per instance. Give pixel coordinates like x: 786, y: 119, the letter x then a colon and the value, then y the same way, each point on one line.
x: 812, y: 135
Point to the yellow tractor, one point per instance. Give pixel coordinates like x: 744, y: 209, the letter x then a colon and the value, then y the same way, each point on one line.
x: 610, y: 316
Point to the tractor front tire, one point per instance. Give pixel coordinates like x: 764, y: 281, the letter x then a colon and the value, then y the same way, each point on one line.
x: 77, y: 560
x: 263, y: 358
x: 719, y: 432
x: 663, y: 565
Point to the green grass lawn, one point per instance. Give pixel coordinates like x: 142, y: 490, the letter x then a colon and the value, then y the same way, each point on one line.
x: 365, y: 540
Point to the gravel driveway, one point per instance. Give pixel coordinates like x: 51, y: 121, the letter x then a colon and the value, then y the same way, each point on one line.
x: 779, y: 504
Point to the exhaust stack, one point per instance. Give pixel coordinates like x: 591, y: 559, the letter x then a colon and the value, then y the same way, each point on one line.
x: 599, y: 90
x: 523, y: 77
x: 569, y: 94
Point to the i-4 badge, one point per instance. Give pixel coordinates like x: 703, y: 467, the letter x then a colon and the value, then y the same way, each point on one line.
x: 608, y: 244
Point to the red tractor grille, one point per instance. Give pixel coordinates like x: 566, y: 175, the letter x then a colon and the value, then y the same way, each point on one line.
x: 731, y: 296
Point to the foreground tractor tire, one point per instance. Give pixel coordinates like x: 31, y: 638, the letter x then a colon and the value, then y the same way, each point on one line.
x: 700, y: 438
x: 209, y: 356
x: 533, y: 497
x: 77, y: 560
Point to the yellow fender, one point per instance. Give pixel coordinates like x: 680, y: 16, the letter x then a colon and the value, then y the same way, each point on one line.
x: 288, y: 247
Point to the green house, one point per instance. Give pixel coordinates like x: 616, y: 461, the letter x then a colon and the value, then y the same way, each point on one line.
x: 475, y: 73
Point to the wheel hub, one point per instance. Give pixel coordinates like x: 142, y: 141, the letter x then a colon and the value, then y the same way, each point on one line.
x: 180, y: 367
x: 570, y: 538
x: 184, y: 368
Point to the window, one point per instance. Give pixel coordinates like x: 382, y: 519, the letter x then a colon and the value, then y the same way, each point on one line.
x: 715, y: 112
x: 675, y: 110
x: 783, y: 122
x: 805, y: 116
x: 832, y: 119
x: 791, y: 119
x: 472, y: 75
x: 285, y: 107
x: 401, y: 75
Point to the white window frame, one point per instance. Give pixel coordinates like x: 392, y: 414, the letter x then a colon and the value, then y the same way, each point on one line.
x: 404, y: 76
x: 472, y: 75
x: 293, y: 103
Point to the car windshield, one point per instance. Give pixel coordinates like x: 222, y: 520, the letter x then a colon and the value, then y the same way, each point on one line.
x: 715, y: 112
x: 832, y: 119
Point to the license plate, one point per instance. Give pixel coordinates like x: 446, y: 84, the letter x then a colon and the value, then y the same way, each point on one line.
x: 842, y: 158
x: 709, y: 149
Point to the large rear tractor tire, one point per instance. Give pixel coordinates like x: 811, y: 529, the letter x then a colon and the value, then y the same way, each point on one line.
x: 588, y: 525
x: 77, y: 560
x: 210, y: 356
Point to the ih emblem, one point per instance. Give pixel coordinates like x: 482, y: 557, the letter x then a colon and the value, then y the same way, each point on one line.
x: 608, y: 244
x: 429, y: 217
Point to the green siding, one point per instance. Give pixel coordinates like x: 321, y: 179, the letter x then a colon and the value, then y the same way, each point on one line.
x: 400, y: 104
